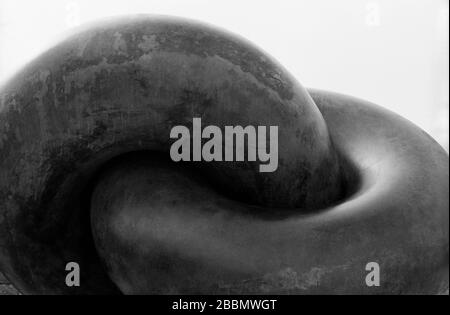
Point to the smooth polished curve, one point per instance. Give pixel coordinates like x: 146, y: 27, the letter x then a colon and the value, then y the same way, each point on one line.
x: 158, y: 233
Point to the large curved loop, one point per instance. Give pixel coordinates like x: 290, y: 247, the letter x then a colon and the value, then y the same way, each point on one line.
x: 355, y: 183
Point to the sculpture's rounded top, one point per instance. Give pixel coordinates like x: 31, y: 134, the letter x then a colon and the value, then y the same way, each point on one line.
x: 174, y: 70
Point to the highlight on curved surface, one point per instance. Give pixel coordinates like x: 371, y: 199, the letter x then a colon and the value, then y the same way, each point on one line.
x: 85, y: 174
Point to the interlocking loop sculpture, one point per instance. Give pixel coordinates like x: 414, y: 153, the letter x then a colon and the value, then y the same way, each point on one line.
x: 85, y: 174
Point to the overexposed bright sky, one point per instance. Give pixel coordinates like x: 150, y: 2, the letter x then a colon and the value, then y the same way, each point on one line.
x: 391, y: 52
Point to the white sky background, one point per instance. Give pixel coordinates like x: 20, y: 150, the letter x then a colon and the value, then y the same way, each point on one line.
x: 391, y: 52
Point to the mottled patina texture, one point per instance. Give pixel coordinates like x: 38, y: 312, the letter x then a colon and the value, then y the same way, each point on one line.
x: 121, y: 85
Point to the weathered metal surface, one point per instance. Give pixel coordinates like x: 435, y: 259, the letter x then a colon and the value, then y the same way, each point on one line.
x: 120, y: 86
